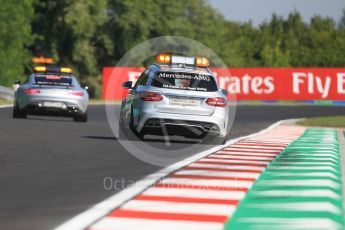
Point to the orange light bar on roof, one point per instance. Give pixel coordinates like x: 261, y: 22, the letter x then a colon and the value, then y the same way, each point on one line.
x: 65, y: 70
x: 202, y: 62
x: 40, y: 69
x: 42, y: 60
x: 163, y: 58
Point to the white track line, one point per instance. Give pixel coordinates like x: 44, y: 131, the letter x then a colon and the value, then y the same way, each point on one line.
x: 205, y: 183
x: 220, y: 161
x: 249, y: 154
x: 218, y: 173
x: 195, y: 193
x: 101, y: 209
x: 230, y: 149
x: 220, y: 166
x: 244, y: 157
x: 5, y: 106
x: 108, y: 223
x: 179, y: 207
x: 256, y: 147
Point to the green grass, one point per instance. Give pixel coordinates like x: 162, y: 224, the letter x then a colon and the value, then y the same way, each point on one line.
x: 96, y: 101
x: 334, y: 121
x: 102, y: 102
x: 5, y: 102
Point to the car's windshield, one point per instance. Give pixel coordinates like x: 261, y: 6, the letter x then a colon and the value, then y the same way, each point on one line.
x: 184, y: 81
x: 53, y: 79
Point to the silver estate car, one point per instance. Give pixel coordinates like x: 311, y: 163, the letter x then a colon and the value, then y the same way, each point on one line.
x: 177, y: 96
x: 51, y: 91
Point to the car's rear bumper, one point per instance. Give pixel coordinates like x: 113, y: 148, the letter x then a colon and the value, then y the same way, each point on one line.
x: 39, y: 109
x: 179, y: 127
x: 36, y: 105
x: 153, y: 122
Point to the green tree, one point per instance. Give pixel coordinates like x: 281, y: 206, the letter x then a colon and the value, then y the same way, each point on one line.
x: 74, y: 33
x: 87, y: 35
x: 274, y: 56
x: 134, y: 21
x: 238, y: 46
x: 321, y: 42
x: 295, y: 39
x: 15, y: 34
x: 342, y: 20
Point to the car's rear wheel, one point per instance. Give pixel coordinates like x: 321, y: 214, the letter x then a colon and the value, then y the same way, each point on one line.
x: 213, y: 140
x: 141, y: 135
x: 17, y: 113
x: 126, y: 133
x: 82, y: 117
x: 133, y: 130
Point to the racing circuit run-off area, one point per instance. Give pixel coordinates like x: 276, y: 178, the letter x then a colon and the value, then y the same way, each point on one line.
x: 172, y: 115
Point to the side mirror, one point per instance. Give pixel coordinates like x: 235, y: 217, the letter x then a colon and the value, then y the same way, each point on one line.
x: 127, y: 84
x: 16, y: 82
x: 224, y: 92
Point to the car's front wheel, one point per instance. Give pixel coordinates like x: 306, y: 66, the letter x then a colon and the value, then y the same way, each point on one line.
x: 17, y: 113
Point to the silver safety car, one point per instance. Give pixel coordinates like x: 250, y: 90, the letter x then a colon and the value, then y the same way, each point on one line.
x: 51, y: 90
x: 176, y: 96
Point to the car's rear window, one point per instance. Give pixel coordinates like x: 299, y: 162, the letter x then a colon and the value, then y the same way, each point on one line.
x: 184, y: 81
x: 53, y: 80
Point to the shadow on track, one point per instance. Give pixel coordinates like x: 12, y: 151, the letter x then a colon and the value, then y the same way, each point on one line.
x: 171, y: 141
x: 100, y: 138
x: 50, y: 118
x: 154, y: 140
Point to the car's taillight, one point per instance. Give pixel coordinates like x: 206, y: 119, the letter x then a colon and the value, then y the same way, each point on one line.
x: 31, y: 91
x: 150, y: 96
x: 76, y: 93
x: 217, y: 101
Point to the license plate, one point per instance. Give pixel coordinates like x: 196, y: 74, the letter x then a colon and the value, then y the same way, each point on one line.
x: 180, y: 101
x: 53, y: 104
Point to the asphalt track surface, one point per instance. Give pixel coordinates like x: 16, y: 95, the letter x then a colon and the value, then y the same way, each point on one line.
x: 52, y: 168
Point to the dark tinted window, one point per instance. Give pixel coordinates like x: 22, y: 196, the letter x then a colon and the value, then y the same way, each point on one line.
x: 53, y: 80
x: 142, y: 80
x: 185, y: 81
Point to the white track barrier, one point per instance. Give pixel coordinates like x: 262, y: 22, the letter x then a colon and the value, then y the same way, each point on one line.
x: 6, y: 93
